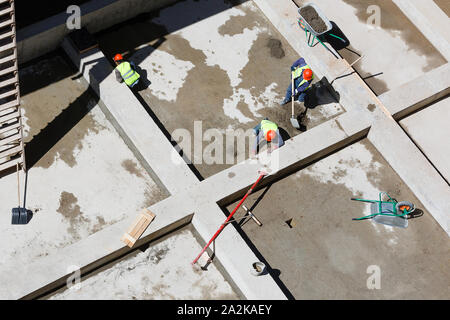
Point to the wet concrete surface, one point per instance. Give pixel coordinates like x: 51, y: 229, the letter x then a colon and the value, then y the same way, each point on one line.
x: 73, y: 170
x: 229, y: 78
x: 160, y: 271
x: 395, y: 51
x: 310, y: 241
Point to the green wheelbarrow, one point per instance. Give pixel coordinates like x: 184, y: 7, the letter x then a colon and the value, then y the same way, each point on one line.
x: 388, y: 212
x: 311, y: 34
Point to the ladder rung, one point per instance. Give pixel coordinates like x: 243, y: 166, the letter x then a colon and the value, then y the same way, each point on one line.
x: 8, y: 70
x: 6, y: 23
x: 3, y: 1
x: 10, y: 139
x: 10, y: 151
x: 10, y: 104
x: 9, y: 116
x: 9, y: 93
x: 12, y: 126
x: 9, y: 81
x: 6, y: 34
x: 9, y: 58
x: 5, y: 11
x: 8, y: 46
x: 10, y: 163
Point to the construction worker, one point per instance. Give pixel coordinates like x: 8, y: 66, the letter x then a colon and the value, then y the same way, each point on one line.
x: 126, y: 71
x: 303, y: 77
x: 267, y: 131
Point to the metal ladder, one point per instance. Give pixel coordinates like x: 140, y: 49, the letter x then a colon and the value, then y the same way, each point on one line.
x: 12, y: 151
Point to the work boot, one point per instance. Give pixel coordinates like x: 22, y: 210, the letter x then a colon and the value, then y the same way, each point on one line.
x: 283, y: 102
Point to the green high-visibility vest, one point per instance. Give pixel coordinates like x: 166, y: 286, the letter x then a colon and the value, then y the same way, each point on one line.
x: 298, y: 73
x: 128, y: 74
x: 267, y: 125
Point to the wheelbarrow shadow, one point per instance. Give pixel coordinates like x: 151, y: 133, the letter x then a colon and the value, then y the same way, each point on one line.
x: 336, y: 43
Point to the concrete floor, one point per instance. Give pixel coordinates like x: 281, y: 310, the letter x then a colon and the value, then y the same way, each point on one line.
x: 427, y: 128
x: 159, y: 272
x: 444, y: 5
x: 239, y: 70
x: 396, y: 48
x: 325, y: 255
x: 82, y: 177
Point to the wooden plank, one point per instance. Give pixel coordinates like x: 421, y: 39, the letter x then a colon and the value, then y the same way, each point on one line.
x: 9, y: 81
x: 10, y: 139
x: 9, y: 116
x: 8, y: 70
x: 9, y: 164
x: 138, y: 227
x: 6, y: 34
x: 10, y: 151
x: 8, y: 58
x: 6, y: 23
x: 9, y: 127
x: 10, y: 104
x: 9, y: 93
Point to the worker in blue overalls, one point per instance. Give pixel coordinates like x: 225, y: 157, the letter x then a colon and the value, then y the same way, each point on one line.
x: 303, y: 77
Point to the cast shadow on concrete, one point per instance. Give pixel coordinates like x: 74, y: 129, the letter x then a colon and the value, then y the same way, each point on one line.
x: 49, y: 136
x: 274, y: 273
x: 417, y: 213
x: 334, y: 42
x: 321, y: 93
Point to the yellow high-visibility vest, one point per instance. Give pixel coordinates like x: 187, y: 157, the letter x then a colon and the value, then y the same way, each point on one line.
x: 267, y: 125
x: 298, y: 73
x: 128, y: 74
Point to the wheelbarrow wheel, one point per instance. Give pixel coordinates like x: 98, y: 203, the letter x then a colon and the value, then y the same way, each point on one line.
x: 404, y: 205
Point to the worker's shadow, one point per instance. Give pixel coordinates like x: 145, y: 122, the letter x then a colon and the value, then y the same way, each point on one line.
x: 321, y: 93
x: 144, y: 82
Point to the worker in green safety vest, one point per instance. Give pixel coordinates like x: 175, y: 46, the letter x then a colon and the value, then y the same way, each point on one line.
x: 303, y: 77
x: 267, y: 131
x: 126, y: 71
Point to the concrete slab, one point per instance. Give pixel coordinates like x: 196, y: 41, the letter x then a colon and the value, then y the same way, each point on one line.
x: 431, y: 21
x: 74, y: 173
x: 413, y: 167
x: 326, y: 255
x: 159, y: 272
x: 444, y: 5
x: 418, y: 92
x: 428, y: 128
x: 396, y: 48
x: 239, y: 71
x: 133, y: 121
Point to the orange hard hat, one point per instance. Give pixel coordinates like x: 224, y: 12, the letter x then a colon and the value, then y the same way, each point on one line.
x: 271, y: 134
x: 118, y: 57
x: 307, y: 74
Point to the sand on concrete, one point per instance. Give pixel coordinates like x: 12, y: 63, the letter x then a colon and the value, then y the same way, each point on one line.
x: 395, y: 51
x: 160, y: 271
x: 81, y: 178
x: 308, y: 234
x: 229, y: 78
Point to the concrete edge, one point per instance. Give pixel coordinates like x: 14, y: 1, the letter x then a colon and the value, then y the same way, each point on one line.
x: 101, y: 253
x: 419, y: 175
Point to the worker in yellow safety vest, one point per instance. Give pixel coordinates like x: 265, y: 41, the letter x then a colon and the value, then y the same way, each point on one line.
x: 126, y: 71
x: 267, y: 131
x: 303, y: 77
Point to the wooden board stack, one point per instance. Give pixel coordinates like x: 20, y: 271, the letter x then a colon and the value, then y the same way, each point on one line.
x: 138, y: 227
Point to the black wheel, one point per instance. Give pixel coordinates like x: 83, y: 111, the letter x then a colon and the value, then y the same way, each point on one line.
x: 402, y: 205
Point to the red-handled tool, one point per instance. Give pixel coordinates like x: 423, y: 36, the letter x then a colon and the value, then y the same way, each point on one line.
x: 230, y: 216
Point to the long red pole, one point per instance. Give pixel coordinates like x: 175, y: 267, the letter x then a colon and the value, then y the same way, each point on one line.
x: 229, y: 217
